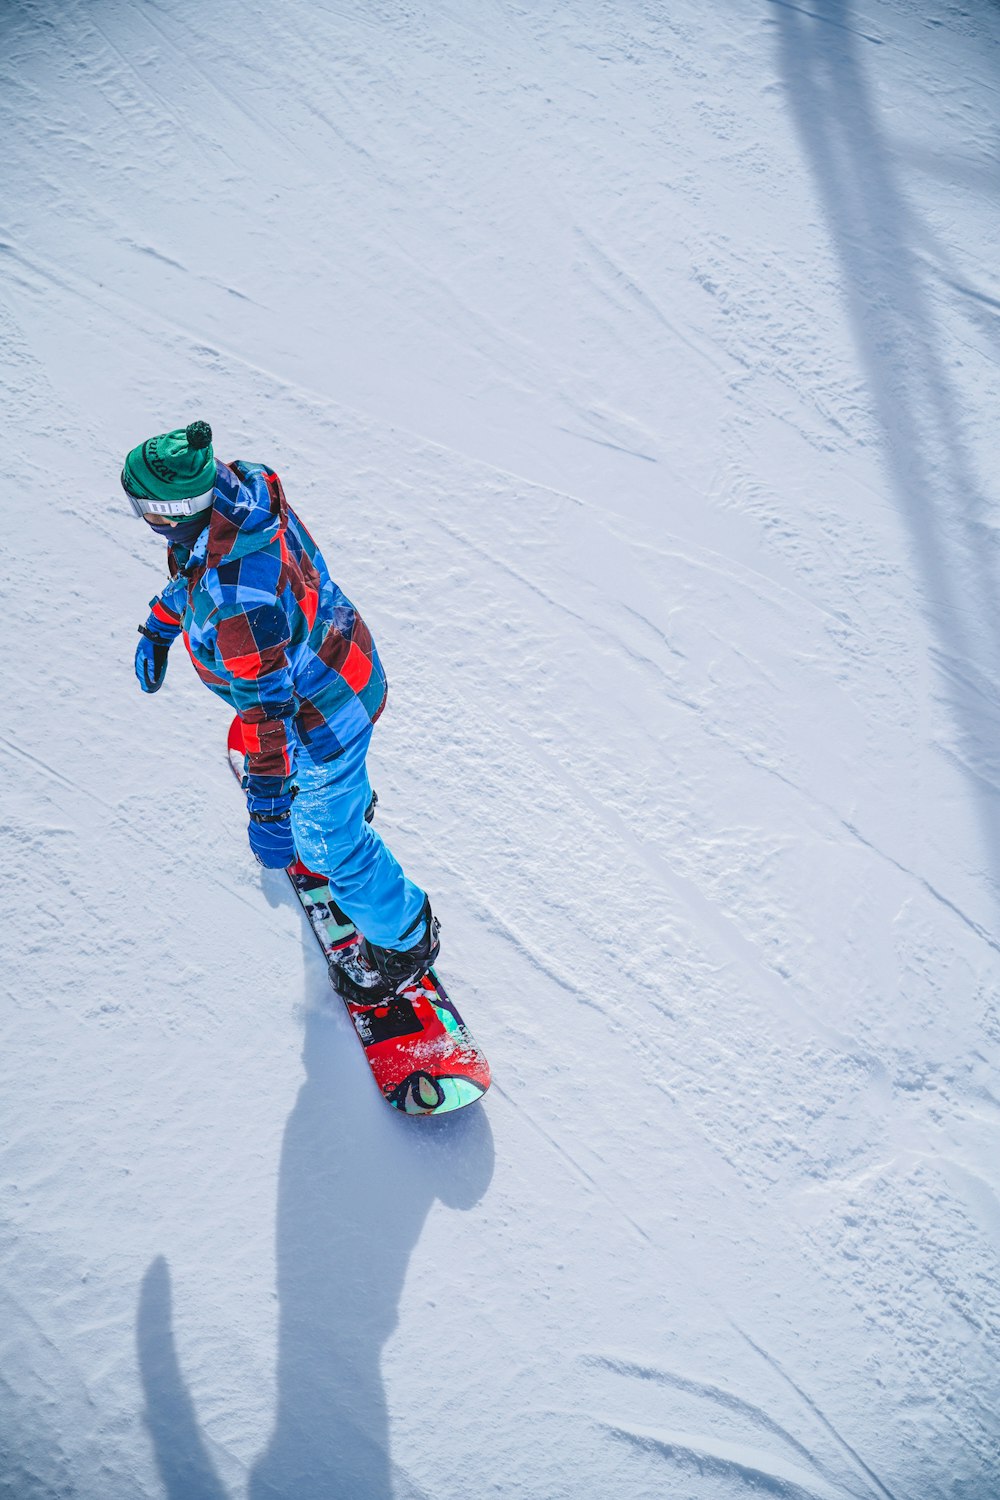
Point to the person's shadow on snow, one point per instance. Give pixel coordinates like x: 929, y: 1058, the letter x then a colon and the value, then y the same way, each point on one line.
x: 356, y: 1183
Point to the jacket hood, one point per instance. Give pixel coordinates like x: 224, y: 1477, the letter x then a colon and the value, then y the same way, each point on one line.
x: 247, y: 513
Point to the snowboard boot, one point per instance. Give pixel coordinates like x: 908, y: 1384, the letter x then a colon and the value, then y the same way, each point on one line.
x: 373, y: 975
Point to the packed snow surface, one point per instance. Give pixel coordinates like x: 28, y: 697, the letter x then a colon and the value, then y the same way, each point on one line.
x: 635, y: 365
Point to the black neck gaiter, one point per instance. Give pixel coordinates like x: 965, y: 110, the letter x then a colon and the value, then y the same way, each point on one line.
x: 185, y: 531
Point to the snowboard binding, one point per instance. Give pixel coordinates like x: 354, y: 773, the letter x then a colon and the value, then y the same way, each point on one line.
x: 371, y: 975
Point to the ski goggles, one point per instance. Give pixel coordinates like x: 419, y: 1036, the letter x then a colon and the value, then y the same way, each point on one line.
x: 143, y: 505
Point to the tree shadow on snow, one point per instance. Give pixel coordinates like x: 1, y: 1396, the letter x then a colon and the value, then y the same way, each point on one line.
x: 894, y: 273
x: 891, y: 265
x: 356, y: 1183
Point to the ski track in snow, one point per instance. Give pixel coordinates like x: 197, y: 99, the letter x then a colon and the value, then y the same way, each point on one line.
x: 636, y: 373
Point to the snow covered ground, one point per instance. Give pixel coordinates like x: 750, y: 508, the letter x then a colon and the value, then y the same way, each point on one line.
x: 636, y: 367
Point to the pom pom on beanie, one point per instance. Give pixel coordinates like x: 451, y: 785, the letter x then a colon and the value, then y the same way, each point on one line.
x: 176, y: 465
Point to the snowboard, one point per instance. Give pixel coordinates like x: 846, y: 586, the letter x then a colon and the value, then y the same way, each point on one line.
x: 419, y: 1049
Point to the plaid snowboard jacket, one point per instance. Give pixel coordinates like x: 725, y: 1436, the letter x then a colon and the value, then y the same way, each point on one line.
x: 269, y: 630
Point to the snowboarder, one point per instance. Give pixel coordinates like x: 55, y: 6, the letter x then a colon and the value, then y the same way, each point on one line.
x: 269, y: 631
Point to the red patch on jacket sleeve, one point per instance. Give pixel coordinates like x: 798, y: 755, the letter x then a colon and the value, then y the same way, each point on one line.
x: 161, y: 612
x: 309, y: 603
x: 266, y: 745
x: 357, y: 669
x: 251, y: 738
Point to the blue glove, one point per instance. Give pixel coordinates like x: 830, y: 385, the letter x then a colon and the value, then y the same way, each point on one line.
x: 158, y: 634
x: 271, y: 840
x: 151, y: 660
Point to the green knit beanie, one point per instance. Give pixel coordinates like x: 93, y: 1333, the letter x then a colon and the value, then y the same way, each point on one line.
x: 174, y: 466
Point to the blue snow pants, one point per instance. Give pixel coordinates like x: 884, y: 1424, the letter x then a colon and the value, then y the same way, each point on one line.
x: 332, y: 838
